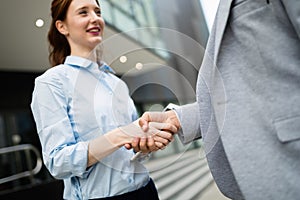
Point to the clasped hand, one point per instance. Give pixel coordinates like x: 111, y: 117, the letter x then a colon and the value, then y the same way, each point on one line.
x: 153, y: 131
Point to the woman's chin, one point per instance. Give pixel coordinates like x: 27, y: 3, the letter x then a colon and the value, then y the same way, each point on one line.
x: 97, y: 41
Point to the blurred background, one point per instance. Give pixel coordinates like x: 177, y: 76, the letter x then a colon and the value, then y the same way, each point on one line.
x: 155, y: 46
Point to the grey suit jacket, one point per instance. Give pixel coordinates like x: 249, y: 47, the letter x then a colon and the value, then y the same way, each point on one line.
x: 248, y: 100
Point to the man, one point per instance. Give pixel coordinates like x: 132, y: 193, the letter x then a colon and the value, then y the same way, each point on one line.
x: 248, y: 100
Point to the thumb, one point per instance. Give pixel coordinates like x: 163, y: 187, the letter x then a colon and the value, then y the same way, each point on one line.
x: 144, y: 124
x: 144, y: 121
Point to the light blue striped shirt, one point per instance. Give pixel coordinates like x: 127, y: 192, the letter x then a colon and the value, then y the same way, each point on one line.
x: 73, y: 103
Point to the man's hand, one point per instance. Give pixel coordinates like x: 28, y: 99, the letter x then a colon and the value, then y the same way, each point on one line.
x: 167, y: 122
x: 162, y: 117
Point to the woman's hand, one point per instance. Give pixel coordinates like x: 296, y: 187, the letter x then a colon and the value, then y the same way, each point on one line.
x: 166, y: 125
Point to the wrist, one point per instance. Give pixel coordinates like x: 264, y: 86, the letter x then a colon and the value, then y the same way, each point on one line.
x: 118, y: 138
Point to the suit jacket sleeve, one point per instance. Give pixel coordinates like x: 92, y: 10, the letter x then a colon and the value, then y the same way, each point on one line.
x: 189, y: 118
x: 292, y: 8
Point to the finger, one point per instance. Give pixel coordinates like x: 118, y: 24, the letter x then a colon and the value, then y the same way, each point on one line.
x: 161, y: 140
x: 165, y: 135
x: 160, y: 145
x: 128, y: 146
x: 144, y: 120
x: 151, y: 144
x: 143, y: 145
x: 135, y: 144
x: 170, y: 127
x: 164, y: 126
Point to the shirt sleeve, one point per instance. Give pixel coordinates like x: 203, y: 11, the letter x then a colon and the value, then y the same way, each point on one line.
x: 62, y: 155
x: 188, y: 116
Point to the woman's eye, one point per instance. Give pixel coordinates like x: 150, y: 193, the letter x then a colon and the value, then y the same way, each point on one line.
x: 98, y: 12
x: 82, y: 12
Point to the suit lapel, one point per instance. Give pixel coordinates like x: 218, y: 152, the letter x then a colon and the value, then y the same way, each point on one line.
x: 220, y: 24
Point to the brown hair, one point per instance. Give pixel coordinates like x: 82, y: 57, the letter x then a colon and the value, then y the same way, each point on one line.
x: 59, y: 47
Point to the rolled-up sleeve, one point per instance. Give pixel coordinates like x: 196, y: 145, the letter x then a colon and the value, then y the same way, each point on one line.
x: 62, y: 154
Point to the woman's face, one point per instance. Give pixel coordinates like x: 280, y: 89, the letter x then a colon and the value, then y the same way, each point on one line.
x: 83, y: 26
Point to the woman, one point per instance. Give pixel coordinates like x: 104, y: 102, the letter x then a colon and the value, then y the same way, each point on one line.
x: 82, y: 112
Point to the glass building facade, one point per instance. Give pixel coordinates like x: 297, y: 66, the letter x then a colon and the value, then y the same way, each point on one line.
x: 129, y: 15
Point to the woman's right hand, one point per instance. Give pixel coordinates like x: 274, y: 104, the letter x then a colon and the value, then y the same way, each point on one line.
x: 166, y: 125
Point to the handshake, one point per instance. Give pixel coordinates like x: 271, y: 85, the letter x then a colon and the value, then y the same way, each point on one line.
x: 152, y: 132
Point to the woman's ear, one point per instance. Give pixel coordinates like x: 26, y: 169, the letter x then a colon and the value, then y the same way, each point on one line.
x: 61, y: 27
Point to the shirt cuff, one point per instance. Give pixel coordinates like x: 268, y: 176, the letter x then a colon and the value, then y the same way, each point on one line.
x: 189, y: 119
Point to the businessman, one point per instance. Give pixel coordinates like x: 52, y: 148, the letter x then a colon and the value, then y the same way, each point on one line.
x: 248, y: 100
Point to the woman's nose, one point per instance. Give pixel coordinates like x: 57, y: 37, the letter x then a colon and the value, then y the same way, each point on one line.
x: 95, y: 16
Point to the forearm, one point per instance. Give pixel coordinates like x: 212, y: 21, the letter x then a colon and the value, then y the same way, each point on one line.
x: 106, y: 144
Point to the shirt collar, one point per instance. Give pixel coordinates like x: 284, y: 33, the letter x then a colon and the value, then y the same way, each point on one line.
x: 88, y: 64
